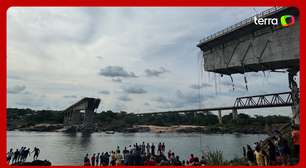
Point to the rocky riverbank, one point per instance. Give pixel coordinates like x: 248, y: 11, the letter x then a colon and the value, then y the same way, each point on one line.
x: 42, y: 127
x: 196, y: 129
x: 217, y: 129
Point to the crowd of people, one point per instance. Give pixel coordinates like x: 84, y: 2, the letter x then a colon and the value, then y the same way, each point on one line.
x: 140, y: 154
x: 273, y: 151
x: 21, y: 155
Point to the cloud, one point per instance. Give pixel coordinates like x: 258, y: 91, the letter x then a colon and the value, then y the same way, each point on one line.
x: 155, y: 72
x: 119, y: 107
x: 189, y: 98
x: 147, y: 104
x: 118, y: 80
x: 180, y: 100
x: 236, y: 86
x: 16, y: 89
x: 99, y: 57
x: 105, y: 92
x: 134, y: 90
x: 124, y: 98
x: 159, y: 99
x: 197, y: 86
x: 116, y: 71
x: 70, y: 96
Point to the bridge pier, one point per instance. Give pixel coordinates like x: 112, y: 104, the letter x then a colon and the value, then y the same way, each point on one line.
x: 88, y: 123
x: 220, y: 117
x: 235, y: 114
x: 294, y: 96
x: 72, y: 115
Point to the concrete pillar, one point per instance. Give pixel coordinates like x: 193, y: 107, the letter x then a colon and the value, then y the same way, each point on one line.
x: 88, y: 124
x: 295, y: 96
x: 220, y: 117
x: 235, y: 114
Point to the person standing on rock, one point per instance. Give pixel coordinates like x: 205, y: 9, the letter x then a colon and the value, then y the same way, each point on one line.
x: 9, y: 155
x: 25, y: 155
x: 36, y: 153
x: 16, y: 155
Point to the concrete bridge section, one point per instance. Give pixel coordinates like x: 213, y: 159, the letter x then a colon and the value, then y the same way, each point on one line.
x: 283, y: 99
x: 247, y: 47
x: 81, y: 114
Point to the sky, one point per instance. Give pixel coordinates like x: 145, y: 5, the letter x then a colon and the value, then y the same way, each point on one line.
x: 133, y: 59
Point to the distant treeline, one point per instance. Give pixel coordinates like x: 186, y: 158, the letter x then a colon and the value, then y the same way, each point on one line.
x: 109, y: 119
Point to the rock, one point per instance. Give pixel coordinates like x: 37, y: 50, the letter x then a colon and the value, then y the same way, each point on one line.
x: 34, y: 163
x: 71, y: 129
x: 137, y: 129
x: 43, y: 127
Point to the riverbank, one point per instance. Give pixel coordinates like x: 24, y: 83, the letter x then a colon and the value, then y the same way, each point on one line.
x: 215, y: 129
x: 218, y: 129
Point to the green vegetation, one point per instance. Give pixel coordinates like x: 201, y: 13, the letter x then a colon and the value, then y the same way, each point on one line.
x: 214, y: 158
x: 109, y: 120
x: 27, y: 117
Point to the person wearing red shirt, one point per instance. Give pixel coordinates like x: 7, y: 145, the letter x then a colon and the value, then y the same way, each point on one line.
x: 296, y: 141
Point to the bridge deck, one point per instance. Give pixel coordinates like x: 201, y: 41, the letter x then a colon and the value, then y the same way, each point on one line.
x: 246, y: 47
x: 283, y: 99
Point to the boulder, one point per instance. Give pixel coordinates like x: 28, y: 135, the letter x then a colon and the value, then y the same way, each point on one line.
x: 34, y: 163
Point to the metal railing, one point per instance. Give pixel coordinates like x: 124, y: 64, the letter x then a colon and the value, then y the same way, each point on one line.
x: 241, y: 24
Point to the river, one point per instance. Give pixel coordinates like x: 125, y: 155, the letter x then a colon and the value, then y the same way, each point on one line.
x: 70, y: 149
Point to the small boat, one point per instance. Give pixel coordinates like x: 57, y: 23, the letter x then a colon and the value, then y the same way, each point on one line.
x: 109, y: 132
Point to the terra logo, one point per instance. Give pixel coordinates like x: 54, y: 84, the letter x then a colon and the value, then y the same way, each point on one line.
x: 285, y: 21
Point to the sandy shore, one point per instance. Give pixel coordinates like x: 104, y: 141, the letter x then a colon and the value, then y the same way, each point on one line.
x: 166, y: 129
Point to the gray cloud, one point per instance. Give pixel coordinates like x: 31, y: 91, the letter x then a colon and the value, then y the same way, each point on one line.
x: 155, y: 72
x: 179, y: 101
x: 99, y: 57
x: 118, y: 80
x: 229, y: 83
x: 189, y: 98
x: 16, y: 89
x: 124, y: 98
x: 116, y: 71
x: 14, y: 77
x: 159, y: 99
x: 134, y: 90
x: 70, y: 96
x: 105, y: 92
x: 197, y: 86
x: 119, y: 107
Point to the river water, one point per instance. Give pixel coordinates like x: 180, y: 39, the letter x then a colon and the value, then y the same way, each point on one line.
x: 70, y: 149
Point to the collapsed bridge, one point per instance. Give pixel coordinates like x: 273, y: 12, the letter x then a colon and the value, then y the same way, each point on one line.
x: 247, y: 47
x: 81, y: 114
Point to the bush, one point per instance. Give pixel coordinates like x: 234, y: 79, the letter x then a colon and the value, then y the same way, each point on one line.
x: 214, y: 158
